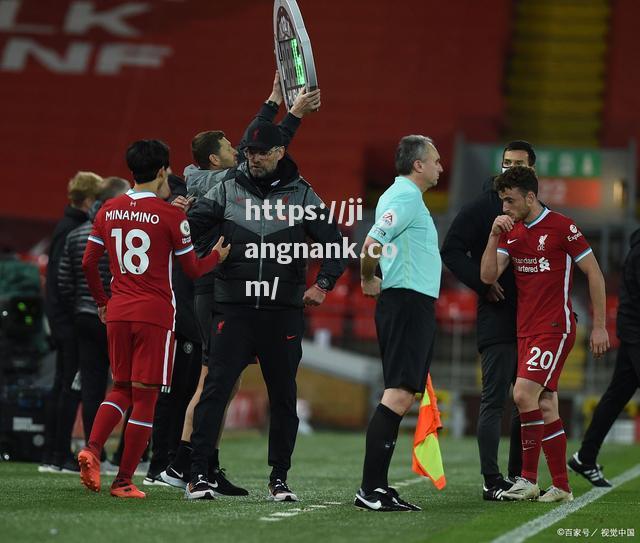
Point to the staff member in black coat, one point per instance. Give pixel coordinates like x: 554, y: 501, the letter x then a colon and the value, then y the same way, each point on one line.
x: 214, y: 156
x: 63, y: 400
x: 626, y: 375
x: 253, y: 322
x: 461, y: 252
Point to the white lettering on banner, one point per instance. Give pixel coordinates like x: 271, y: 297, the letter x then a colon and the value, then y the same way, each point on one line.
x: 543, y: 161
x: 566, y: 165
x: 111, y: 58
x: 8, y: 15
x: 18, y: 50
x: 82, y: 18
x: 114, y: 56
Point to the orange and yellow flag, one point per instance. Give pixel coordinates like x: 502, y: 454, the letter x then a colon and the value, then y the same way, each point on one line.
x: 427, y: 460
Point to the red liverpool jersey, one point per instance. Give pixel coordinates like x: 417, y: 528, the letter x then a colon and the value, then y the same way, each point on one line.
x: 542, y: 254
x: 141, y: 233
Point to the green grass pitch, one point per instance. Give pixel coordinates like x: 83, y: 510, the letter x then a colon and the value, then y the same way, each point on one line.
x: 325, y: 474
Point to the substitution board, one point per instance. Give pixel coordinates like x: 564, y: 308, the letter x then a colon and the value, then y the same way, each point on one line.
x: 294, y: 56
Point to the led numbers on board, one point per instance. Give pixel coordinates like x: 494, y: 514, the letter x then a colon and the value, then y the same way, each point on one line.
x: 298, y: 62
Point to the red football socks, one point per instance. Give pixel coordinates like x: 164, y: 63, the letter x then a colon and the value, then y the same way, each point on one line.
x: 109, y: 414
x: 554, y: 445
x: 138, y: 431
x: 531, y: 432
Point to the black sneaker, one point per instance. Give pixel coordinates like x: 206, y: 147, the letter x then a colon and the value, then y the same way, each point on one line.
x: 378, y: 500
x: 69, y: 466
x: 494, y: 492
x: 222, y: 486
x: 591, y: 472
x: 154, y: 479
x: 173, y: 477
x: 396, y: 496
x: 280, y: 492
x: 198, y: 489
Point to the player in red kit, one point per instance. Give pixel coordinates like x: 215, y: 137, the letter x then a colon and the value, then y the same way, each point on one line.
x: 542, y: 246
x: 141, y: 233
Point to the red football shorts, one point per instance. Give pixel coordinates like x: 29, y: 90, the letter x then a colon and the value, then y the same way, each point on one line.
x: 541, y: 358
x: 140, y: 352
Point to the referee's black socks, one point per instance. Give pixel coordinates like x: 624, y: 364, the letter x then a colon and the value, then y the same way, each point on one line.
x: 381, y: 440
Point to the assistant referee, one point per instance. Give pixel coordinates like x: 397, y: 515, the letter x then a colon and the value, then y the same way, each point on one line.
x: 404, y: 241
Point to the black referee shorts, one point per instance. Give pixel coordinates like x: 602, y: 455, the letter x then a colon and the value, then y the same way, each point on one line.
x: 406, y: 327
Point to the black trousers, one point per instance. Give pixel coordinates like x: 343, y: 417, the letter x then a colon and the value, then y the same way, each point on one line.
x: 62, y: 401
x: 203, y: 307
x: 275, y: 337
x: 93, y: 360
x: 624, y: 383
x: 499, y: 364
x: 172, y: 405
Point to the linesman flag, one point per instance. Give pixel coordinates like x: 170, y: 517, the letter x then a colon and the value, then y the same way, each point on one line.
x: 427, y: 460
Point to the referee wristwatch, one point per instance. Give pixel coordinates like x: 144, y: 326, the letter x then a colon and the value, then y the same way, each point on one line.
x: 323, y: 283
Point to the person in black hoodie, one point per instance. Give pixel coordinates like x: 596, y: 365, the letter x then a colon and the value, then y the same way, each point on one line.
x: 254, y: 322
x: 93, y: 353
x: 63, y: 400
x: 626, y: 375
x: 496, y: 326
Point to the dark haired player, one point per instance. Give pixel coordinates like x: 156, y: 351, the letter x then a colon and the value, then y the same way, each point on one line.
x: 141, y: 233
x: 543, y: 246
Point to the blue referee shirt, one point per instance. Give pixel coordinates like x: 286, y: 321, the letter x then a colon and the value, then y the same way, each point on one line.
x: 404, y: 223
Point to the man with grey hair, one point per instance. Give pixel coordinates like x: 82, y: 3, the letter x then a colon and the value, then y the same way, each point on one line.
x: 404, y: 241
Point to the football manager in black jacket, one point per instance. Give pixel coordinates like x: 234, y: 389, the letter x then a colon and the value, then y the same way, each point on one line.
x: 496, y: 333
x: 257, y: 321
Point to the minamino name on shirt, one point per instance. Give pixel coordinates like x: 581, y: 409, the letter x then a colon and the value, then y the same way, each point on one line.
x: 126, y: 215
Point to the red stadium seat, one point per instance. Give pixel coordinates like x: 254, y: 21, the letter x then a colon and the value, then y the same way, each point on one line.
x: 332, y: 314
x: 363, y: 311
x: 456, y: 309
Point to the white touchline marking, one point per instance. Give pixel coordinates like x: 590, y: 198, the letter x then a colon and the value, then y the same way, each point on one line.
x: 281, y: 515
x: 535, y: 526
x: 408, y: 482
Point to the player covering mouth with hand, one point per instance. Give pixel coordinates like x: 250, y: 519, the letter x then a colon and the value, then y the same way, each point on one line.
x: 543, y: 247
